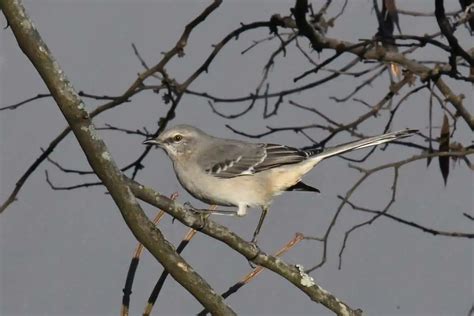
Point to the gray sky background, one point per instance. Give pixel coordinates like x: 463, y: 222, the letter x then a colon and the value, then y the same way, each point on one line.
x: 67, y: 252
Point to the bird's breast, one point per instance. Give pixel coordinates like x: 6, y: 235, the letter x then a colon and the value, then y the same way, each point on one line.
x: 252, y: 190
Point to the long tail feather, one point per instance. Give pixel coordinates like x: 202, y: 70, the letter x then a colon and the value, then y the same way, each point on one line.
x: 368, y: 142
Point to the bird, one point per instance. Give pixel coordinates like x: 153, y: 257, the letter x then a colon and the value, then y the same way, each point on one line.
x: 229, y: 172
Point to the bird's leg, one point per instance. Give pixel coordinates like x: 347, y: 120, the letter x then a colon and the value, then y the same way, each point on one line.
x: 188, y: 206
x: 242, y: 210
x: 255, y: 234
x: 260, y: 223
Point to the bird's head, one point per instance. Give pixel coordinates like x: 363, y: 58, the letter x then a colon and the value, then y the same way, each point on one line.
x: 178, y: 141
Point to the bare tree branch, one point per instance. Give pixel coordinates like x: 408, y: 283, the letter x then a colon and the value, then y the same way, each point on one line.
x: 248, y: 250
x: 434, y: 232
x: 392, y: 57
x: 100, y: 159
x: 256, y: 271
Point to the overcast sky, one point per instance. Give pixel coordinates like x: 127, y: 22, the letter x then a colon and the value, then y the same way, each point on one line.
x: 67, y: 252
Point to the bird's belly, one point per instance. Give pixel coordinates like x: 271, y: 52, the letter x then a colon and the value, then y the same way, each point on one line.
x: 247, y: 190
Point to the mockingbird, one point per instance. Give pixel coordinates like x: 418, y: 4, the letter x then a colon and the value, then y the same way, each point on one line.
x: 230, y: 172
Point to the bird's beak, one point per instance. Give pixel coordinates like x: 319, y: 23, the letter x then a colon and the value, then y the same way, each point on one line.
x: 152, y: 141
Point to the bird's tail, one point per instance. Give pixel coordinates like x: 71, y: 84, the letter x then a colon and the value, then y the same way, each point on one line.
x: 368, y: 142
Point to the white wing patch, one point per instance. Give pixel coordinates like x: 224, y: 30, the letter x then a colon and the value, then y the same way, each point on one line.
x: 251, y: 170
x: 223, y: 166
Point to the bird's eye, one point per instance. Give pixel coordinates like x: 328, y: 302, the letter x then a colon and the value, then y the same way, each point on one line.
x: 177, y: 138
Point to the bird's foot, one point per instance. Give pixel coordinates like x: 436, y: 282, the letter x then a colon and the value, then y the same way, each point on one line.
x: 202, y: 213
x: 257, y: 252
x: 189, y: 207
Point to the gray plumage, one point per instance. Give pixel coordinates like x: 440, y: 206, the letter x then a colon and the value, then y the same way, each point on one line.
x: 235, y: 173
x: 232, y: 158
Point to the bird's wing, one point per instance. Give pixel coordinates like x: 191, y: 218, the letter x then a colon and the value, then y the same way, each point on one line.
x: 229, y: 159
x: 239, y: 159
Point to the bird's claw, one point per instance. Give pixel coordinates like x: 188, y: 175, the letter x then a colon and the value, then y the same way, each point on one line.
x: 257, y: 250
x: 189, y: 207
x: 202, y: 214
x: 202, y: 220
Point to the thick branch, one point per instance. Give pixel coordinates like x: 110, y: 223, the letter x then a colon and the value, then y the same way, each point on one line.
x: 448, y: 32
x: 222, y: 233
x: 101, y: 161
x: 306, y: 29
